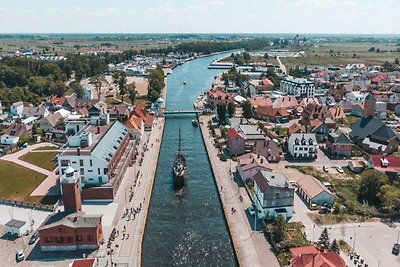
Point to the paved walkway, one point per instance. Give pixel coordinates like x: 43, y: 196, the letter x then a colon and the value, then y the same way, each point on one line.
x: 49, y: 185
x: 251, y: 248
x: 128, y: 244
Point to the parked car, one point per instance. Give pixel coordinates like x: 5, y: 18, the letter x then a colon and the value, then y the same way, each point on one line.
x: 396, y: 249
x: 339, y: 169
x: 325, y: 168
x: 20, y: 256
x: 251, y: 210
x: 33, y: 238
x: 313, y: 207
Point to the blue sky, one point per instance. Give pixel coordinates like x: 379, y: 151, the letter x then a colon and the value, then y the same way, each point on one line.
x: 206, y: 16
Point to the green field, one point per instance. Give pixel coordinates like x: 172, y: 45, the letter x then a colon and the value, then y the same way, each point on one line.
x: 46, y: 148
x: 17, y: 182
x: 335, y: 54
x: 41, y: 159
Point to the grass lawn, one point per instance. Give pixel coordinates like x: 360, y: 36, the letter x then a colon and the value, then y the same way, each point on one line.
x: 348, y: 120
x: 294, y: 237
x: 111, y: 101
x: 41, y: 159
x: 17, y: 182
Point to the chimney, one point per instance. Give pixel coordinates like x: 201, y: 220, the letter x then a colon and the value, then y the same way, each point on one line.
x: 78, y: 151
x: 98, y: 129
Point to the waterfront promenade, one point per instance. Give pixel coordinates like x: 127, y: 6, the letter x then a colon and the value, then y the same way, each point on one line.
x: 251, y: 248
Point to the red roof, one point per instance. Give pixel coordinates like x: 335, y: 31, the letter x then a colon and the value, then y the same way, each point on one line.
x: 57, y: 101
x: 149, y: 120
x: 217, y: 94
x: 310, y: 256
x: 84, y: 263
x: 231, y: 134
x: 385, y: 163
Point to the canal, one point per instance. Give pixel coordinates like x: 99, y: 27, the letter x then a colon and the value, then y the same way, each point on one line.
x: 186, y: 228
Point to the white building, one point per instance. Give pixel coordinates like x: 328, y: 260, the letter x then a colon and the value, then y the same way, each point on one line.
x: 16, y: 109
x: 381, y: 110
x: 95, y: 150
x: 302, y: 146
x: 7, y: 139
x: 297, y: 87
x: 273, y: 195
x: 16, y: 227
x: 249, y: 164
x: 356, y: 97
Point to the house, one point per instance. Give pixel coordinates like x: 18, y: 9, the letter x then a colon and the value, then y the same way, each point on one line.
x: 271, y: 114
x: 373, y: 135
x: 302, y: 146
x: 49, y: 122
x: 16, y: 109
x: 119, y: 111
x: 297, y: 87
x: 336, y: 113
x: 16, y: 227
x: 15, y: 131
x: 236, y: 142
x: 381, y: 110
x: 92, y: 262
x: 32, y: 111
x: 141, y: 112
x: 269, y: 149
x: 390, y: 165
x: 357, y: 110
x: 356, y: 97
x: 250, y: 163
x: 346, y: 106
x: 6, y: 139
x: 135, y: 126
x: 356, y: 166
x: 338, y: 144
x: 99, y: 150
x: 216, y: 96
x: 97, y: 109
x: 312, y: 256
x: 314, y: 192
x: 56, y: 102
x: 288, y: 102
x: 273, y: 195
x: 261, y: 101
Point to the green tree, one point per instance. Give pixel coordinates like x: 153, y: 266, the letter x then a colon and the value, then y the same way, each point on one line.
x: 324, y: 238
x: 231, y: 109
x: 78, y: 89
x: 371, y: 182
x: 335, y: 246
x: 247, y: 109
x: 60, y: 125
x: 389, y: 197
x: 154, y: 96
x: 122, y: 86
x: 221, y: 111
x: 396, y: 61
x: 279, y: 229
x: 372, y: 49
x: 98, y: 81
x: 132, y: 93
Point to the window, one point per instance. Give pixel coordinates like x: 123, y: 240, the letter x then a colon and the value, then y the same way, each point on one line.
x: 91, y: 163
x: 60, y: 230
x: 81, y: 162
x: 74, y: 162
x: 69, y: 239
x: 78, y: 238
x: 277, y: 194
x: 105, y: 171
x: 64, y: 162
x: 90, y: 179
x: 100, y: 179
x: 300, y: 148
x: 90, y: 238
x: 82, y: 171
x: 48, y: 239
x: 98, y: 171
x: 306, y: 148
x: 90, y: 170
x: 295, y: 148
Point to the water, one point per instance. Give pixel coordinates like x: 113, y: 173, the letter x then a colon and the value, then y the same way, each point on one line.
x: 187, y: 228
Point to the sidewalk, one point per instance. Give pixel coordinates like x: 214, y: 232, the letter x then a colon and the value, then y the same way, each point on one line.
x: 252, y: 249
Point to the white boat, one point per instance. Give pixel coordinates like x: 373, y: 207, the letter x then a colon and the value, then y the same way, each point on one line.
x: 184, y: 82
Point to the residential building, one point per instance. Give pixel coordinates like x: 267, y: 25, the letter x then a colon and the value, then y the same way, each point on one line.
x: 216, y: 96
x: 339, y: 144
x: 236, y: 142
x: 314, y: 192
x: 390, y: 165
x: 271, y: 114
x: 269, y: 149
x: 373, y: 135
x: 356, y: 166
x: 250, y: 163
x: 40, y: 111
x: 273, y: 195
x: 119, y: 111
x: 356, y: 97
x: 302, y: 146
x: 297, y: 87
x: 16, y: 109
x: 288, y: 102
x: 100, y: 151
x: 312, y: 256
x: 135, y: 126
x: 14, y: 132
x: 49, y: 122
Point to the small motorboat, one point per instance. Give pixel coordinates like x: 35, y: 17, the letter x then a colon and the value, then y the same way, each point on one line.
x: 184, y: 82
x: 195, y: 123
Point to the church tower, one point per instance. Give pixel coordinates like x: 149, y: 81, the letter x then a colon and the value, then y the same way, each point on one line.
x: 71, y: 190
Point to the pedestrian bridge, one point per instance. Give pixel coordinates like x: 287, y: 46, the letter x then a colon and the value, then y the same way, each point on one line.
x: 182, y: 111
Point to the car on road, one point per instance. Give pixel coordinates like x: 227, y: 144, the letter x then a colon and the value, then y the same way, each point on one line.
x: 339, y: 169
x: 325, y: 169
x: 20, y: 256
x: 33, y: 238
x: 396, y: 249
x: 251, y: 210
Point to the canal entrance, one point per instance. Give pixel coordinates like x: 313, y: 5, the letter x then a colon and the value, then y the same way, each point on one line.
x: 187, y: 228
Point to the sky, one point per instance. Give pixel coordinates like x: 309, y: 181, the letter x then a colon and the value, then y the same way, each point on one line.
x: 201, y: 16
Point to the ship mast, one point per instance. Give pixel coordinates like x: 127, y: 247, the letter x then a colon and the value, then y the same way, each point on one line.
x: 179, y: 149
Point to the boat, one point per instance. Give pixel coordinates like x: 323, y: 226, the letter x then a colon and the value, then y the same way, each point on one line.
x: 195, y: 123
x: 184, y: 82
x: 179, y: 169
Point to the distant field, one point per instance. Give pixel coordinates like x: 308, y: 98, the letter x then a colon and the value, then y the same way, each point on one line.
x: 335, y: 54
x: 41, y: 159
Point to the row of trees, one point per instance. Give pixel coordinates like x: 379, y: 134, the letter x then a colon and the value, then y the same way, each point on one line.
x: 223, y: 109
x: 233, y: 76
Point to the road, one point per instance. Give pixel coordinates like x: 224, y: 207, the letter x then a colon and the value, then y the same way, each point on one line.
x: 283, y: 67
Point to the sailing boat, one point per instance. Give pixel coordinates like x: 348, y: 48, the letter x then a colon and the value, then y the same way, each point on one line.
x: 180, y: 171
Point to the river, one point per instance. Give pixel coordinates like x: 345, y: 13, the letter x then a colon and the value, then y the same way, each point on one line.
x: 189, y: 228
